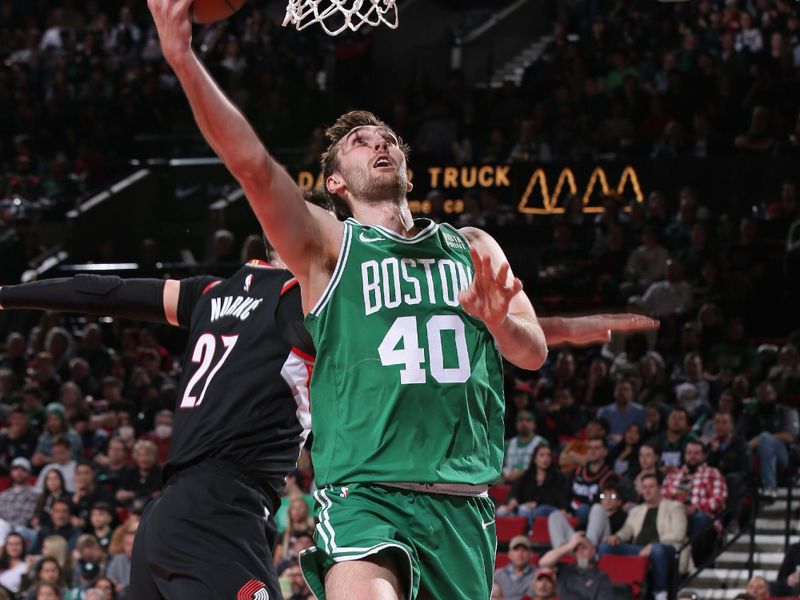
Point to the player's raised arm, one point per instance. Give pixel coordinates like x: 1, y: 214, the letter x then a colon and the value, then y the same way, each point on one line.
x: 153, y: 300
x: 495, y: 297
x: 300, y: 232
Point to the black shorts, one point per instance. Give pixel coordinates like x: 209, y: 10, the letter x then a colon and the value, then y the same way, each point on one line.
x: 206, y: 536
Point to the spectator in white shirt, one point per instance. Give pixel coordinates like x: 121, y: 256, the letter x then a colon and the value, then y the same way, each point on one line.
x: 671, y: 296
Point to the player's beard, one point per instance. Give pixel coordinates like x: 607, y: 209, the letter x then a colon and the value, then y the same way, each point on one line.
x: 377, y: 187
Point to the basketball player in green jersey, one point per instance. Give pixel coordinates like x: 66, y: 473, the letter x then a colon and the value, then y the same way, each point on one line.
x: 410, y: 320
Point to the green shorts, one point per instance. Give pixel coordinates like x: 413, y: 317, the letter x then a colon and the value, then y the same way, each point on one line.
x: 442, y: 544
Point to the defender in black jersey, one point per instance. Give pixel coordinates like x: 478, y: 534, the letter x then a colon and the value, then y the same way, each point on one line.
x: 241, y: 418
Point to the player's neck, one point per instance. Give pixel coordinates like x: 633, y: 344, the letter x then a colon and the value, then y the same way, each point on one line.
x: 392, y: 214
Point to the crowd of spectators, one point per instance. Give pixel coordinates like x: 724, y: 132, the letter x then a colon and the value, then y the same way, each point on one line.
x: 650, y: 447
x: 637, y: 447
x: 80, y: 82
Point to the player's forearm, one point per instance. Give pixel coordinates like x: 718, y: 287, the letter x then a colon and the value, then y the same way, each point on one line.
x: 520, y: 340
x: 222, y: 124
x: 571, y: 330
x: 139, y: 299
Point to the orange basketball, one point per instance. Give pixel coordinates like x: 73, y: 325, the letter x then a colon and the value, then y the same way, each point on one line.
x: 209, y: 11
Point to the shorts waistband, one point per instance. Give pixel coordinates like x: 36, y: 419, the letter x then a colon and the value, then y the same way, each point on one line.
x: 228, y: 468
x: 452, y: 489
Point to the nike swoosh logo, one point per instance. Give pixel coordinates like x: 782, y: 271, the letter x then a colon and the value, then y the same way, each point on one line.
x: 485, y: 525
x: 368, y: 240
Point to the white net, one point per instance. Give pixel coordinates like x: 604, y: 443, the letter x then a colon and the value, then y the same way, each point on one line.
x: 337, y: 15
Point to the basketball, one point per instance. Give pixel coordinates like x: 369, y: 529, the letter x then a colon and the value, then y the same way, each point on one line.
x: 210, y: 11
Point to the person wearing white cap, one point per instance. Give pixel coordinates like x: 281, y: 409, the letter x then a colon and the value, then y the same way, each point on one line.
x: 515, y: 578
x: 18, y: 502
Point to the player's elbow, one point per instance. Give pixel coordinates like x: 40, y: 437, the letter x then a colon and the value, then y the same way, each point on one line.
x: 538, y: 349
x: 533, y: 357
x: 252, y: 169
x: 538, y: 355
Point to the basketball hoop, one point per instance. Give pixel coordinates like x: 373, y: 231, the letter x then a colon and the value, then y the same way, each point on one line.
x: 337, y: 15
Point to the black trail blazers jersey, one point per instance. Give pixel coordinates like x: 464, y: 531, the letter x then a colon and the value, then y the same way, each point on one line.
x: 244, y: 387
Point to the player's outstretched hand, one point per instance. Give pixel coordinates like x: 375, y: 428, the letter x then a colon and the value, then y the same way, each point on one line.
x: 490, y: 292
x: 174, y: 27
x: 603, y: 325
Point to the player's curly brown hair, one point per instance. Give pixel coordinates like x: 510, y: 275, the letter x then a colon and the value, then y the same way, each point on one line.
x: 330, y: 158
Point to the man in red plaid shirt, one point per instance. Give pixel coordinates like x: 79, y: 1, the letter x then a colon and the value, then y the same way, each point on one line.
x: 703, y: 492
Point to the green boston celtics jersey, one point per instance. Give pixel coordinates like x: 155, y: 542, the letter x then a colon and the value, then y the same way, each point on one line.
x: 407, y: 387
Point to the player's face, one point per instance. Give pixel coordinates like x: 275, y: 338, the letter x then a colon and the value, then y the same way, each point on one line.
x: 372, y: 165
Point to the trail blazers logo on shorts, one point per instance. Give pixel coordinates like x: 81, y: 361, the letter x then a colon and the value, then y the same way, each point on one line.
x: 253, y: 590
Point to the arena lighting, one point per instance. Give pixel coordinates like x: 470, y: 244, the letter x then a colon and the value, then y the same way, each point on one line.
x: 567, y: 177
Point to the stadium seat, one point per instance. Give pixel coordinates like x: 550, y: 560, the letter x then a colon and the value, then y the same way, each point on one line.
x: 499, y: 493
x: 630, y: 570
x: 540, y: 535
x: 508, y: 527
x: 4, y: 483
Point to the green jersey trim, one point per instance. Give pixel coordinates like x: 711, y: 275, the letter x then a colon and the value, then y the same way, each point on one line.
x: 344, y: 251
x: 426, y: 232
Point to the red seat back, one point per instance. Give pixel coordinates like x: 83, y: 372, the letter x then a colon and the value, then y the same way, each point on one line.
x: 508, y: 527
x: 631, y: 570
x: 499, y: 493
x: 540, y: 534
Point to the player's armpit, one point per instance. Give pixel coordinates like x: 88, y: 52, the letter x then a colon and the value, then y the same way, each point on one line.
x: 306, y: 236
